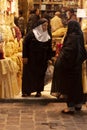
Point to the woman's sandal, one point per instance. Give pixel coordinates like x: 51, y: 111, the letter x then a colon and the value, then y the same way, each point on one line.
x: 68, y: 111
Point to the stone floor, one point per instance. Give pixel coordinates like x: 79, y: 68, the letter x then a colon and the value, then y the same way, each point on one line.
x: 40, y: 116
x: 42, y: 113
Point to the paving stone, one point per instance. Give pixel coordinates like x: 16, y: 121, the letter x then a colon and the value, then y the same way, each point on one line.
x: 10, y: 127
x: 40, y: 116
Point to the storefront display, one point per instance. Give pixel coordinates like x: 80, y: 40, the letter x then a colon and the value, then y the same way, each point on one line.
x: 10, y: 48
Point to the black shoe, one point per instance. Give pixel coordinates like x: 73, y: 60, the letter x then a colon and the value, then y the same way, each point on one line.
x: 38, y: 94
x: 78, y: 108
x: 28, y: 94
x: 24, y: 95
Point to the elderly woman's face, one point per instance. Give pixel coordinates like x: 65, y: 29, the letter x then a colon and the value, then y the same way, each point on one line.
x: 44, y: 26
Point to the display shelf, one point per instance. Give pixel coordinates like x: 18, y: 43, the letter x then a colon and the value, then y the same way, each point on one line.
x: 51, y: 6
x: 51, y: 3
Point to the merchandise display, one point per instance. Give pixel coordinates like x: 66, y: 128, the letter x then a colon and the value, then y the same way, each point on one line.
x: 84, y: 28
x: 51, y: 6
x: 10, y: 47
x: 8, y: 78
x: 59, y: 32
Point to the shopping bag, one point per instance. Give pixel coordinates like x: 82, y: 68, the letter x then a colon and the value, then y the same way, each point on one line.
x: 58, y: 48
x: 49, y: 74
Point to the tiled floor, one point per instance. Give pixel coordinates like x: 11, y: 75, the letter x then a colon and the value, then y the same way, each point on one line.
x: 37, y: 116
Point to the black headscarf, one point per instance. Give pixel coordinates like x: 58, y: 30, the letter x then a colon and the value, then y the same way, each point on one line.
x: 41, y: 21
x: 74, y: 27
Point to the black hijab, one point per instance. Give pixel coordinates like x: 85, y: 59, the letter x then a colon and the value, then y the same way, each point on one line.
x: 75, y: 28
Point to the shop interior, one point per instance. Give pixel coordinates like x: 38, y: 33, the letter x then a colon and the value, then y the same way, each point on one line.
x: 11, y: 46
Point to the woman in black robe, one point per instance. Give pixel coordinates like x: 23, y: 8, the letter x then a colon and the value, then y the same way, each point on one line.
x: 36, y: 53
x: 67, y: 78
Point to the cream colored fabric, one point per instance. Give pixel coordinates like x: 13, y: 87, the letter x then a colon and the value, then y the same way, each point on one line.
x: 9, y: 49
x: 8, y: 78
x: 17, y: 58
x: 56, y: 23
x: 6, y: 32
x: 59, y: 32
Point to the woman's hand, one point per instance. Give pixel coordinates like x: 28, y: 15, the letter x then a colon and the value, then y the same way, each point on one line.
x: 25, y: 60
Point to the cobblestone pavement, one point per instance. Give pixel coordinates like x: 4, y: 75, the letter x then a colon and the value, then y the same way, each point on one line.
x: 40, y: 116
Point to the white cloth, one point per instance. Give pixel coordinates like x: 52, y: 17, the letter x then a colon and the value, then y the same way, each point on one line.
x: 41, y: 35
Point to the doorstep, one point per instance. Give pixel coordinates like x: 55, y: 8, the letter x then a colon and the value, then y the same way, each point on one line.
x: 45, y: 97
x: 31, y: 100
